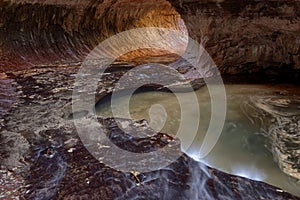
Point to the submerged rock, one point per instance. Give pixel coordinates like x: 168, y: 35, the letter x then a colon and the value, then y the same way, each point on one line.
x: 47, y: 40
x: 279, y: 119
x: 87, y: 178
x: 56, y: 164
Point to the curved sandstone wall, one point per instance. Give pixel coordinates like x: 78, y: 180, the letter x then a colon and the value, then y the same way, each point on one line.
x: 241, y: 37
x: 49, y: 38
x: 56, y: 32
x: 246, y: 36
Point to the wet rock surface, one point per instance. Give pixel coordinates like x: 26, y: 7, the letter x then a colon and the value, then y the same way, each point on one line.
x: 42, y: 45
x: 184, y: 179
x: 7, y: 96
x: 54, y: 164
x: 279, y: 117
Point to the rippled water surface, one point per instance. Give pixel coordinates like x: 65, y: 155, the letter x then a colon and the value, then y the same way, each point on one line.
x: 240, y: 150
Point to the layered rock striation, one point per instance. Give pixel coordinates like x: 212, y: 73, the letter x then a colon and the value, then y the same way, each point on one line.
x: 42, y: 45
x: 279, y: 119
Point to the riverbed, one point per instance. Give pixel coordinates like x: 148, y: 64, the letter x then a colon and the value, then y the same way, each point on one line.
x: 241, y: 149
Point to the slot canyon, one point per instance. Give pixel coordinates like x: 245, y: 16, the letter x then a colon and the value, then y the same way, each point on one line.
x: 149, y: 99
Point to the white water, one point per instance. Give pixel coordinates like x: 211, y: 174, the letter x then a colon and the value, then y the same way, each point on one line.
x: 240, y: 150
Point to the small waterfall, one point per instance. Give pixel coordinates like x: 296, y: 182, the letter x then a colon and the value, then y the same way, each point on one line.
x: 47, y: 171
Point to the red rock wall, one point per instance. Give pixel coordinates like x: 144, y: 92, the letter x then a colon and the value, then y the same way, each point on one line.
x: 246, y: 36
x: 57, y: 32
x: 241, y: 36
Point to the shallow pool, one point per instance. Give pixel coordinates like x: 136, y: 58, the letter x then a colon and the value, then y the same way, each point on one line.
x: 240, y: 150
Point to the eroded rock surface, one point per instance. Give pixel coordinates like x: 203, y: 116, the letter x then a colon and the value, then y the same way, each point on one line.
x: 43, y: 43
x: 54, y: 32
x: 242, y: 37
x: 279, y: 119
x: 54, y: 164
x: 248, y: 36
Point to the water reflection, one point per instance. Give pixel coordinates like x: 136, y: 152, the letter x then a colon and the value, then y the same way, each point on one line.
x: 241, y: 150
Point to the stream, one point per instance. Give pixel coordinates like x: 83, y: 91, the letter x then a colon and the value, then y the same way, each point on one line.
x: 241, y: 149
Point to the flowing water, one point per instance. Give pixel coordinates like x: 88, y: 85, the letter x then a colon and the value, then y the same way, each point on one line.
x: 240, y: 150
